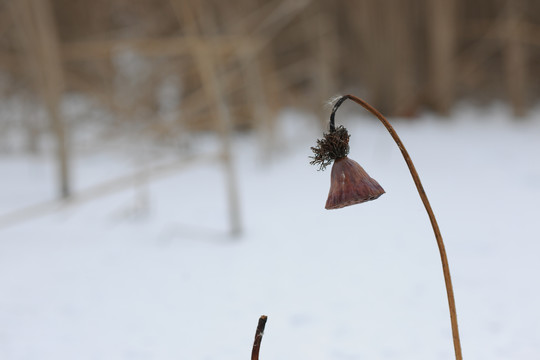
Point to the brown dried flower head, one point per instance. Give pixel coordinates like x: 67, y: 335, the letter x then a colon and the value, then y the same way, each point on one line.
x: 350, y: 184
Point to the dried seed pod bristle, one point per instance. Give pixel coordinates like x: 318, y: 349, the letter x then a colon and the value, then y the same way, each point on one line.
x: 334, y: 145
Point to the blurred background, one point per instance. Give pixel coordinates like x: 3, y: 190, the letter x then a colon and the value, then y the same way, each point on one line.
x: 164, y: 69
x: 191, y: 111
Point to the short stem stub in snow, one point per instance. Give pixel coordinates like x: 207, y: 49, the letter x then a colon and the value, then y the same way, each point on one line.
x: 258, y: 337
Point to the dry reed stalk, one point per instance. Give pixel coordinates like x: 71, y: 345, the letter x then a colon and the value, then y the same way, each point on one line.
x: 372, y: 191
x: 104, y: 189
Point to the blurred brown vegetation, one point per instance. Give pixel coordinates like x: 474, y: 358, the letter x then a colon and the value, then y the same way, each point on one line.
x: 192, y: 61
x: 400, y: 54
x: 171, y: 67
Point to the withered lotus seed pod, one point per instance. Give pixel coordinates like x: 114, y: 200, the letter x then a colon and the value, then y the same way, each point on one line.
x: 350, y: 185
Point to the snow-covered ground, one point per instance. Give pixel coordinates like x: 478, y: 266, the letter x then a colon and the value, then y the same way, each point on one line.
x: 102, y: 281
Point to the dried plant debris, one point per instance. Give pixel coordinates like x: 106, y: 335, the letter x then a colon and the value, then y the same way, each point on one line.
x: 334, y: 145
x: 350, y: 185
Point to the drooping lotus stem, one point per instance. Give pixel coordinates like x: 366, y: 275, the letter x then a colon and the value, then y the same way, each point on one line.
x: 324, y: 157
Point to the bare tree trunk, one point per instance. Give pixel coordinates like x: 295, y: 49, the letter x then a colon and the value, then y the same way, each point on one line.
x: 212, y: 87
x: 42, y: 47
x: 441, y: 25
x: 402, y: 42
x: 515, y: 57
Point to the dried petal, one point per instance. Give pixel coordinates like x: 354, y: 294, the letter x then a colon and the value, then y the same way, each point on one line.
x: 350, y: 185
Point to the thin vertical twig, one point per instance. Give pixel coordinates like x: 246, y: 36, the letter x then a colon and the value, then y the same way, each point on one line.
x: 258, y: 337
x: 425, y: 201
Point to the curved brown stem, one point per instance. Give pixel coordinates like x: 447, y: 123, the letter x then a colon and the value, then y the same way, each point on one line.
x: 423, y: 196
x: 258, y: 337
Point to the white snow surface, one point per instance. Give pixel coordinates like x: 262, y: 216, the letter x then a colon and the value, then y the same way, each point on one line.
x: 100, y: 280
